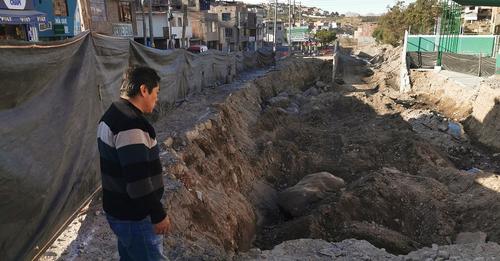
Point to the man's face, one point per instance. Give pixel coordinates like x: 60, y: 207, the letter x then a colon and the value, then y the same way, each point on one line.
x: 150, y: 99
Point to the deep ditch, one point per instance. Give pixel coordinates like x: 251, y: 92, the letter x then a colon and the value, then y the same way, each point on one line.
x: 232, y: 177
x: 402, y: 189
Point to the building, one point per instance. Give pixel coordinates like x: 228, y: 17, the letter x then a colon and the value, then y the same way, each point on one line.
x: 19, y: 20
x: 364, y: 33
x: 269, y: 33
x: 233, y: 21
x: 481, y: 20
x: 256, y: 26
x: 365, y: 30
x: 205, y: 25
x: 495, y: 29
x: 205, y: 29
x: 63, y: 19
x: 172, y: 31
x: 110, y: 17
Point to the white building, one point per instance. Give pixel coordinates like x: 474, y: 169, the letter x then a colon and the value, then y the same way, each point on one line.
x: 161, y: 29
x: 269, y: 32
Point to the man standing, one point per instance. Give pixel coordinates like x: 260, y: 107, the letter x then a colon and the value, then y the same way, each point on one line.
x: 131, y: 171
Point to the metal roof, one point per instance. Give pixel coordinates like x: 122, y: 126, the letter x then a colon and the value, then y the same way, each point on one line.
x: 479, y: 2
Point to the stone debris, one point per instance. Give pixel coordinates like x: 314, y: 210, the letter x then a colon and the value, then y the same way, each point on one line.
x: 471, y: 237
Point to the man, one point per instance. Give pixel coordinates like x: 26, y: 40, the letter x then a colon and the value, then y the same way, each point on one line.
x: 131, y: 171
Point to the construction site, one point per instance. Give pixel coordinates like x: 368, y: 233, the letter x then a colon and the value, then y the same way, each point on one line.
x: 363, y: 155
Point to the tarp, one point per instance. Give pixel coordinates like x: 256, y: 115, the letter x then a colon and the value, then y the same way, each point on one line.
x: 51, y: 98
x: 462, y: 63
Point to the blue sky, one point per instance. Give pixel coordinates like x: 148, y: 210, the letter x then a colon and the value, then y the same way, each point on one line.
x: 343, y: 6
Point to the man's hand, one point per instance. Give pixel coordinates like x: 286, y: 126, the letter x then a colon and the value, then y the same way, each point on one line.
x: 163, y: 227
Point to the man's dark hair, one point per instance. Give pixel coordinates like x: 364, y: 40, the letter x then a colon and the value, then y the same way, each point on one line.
x: 137, y: 76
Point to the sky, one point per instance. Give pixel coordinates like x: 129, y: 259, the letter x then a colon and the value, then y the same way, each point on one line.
x: 342, y: 6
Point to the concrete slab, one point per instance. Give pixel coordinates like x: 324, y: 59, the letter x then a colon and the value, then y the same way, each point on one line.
x: 465, y: 80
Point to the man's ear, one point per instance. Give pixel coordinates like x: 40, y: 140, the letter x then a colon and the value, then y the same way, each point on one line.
x: 143, y: 89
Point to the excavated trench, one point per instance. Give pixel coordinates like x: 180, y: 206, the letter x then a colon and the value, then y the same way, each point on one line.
x: 246, y: 168
x: 292, y: 155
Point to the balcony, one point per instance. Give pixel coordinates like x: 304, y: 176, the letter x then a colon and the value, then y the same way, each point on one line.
x: 122, y: 29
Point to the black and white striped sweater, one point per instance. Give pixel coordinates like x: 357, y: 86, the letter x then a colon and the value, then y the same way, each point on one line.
x: 131, y: 171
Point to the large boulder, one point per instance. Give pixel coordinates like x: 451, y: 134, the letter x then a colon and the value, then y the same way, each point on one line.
x: 297, y: 200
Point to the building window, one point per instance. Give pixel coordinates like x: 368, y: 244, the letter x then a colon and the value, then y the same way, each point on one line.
x: 226, y: 16
x: 179, y: 21
x: 229, y: 32
x: 279, y: 28
x: 125, y: 12
x: 211, y: 27
x: 60, y: 8
x: 191, y: 3
x: 98, y: 10
x: 270, y: 28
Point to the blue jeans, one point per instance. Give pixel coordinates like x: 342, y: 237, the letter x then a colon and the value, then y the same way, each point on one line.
x: 137, y: 240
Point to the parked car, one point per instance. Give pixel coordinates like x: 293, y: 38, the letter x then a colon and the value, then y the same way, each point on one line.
x: 197, y: 48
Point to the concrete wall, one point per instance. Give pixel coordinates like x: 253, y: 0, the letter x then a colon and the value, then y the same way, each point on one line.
x: 498, y: 64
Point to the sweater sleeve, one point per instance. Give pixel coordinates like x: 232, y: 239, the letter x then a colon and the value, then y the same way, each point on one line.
x: 138, y: 154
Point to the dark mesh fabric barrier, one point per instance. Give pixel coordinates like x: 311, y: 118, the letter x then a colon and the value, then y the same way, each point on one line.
x: 51, y: 99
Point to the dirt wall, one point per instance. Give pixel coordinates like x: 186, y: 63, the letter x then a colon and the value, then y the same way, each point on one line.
x: 217, y: 161
x: 475, y: 105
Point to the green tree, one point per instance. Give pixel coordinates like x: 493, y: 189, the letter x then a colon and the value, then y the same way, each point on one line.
x: 325, y: 36
x: 420, y: 16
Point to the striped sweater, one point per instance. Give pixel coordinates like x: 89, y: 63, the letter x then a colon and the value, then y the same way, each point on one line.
x: 131, y: 171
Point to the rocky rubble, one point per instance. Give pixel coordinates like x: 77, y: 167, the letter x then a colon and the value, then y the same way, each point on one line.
x: 361, y: 250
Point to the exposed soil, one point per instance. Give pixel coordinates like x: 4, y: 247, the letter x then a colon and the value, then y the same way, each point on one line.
x: 411, y: 175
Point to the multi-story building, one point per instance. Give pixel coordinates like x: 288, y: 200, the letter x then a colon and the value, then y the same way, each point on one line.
x: 269, y: 33
x: 63, y: 19
x: 110, y: 17
x: 19, y: 20
x: 233, y: 20
x: 256, y: 26
x: 174, y: 31
x: 206, y: 29
x: 205, y: 25
x: 481, y: 20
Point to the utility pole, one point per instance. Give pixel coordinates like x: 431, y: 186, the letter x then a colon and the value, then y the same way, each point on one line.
x: 293, y: 13
x: 145, y: 36
x: 289, y: 27
x: 300, y: 13
x: 300, y: 22
x: 151, y: 36
x: 169, y: 18
x: 184, y: 22
x: 275, y: 23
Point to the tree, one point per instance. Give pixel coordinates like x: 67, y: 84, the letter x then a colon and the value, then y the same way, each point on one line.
x: 420, y: 16
x: 325, y: 36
